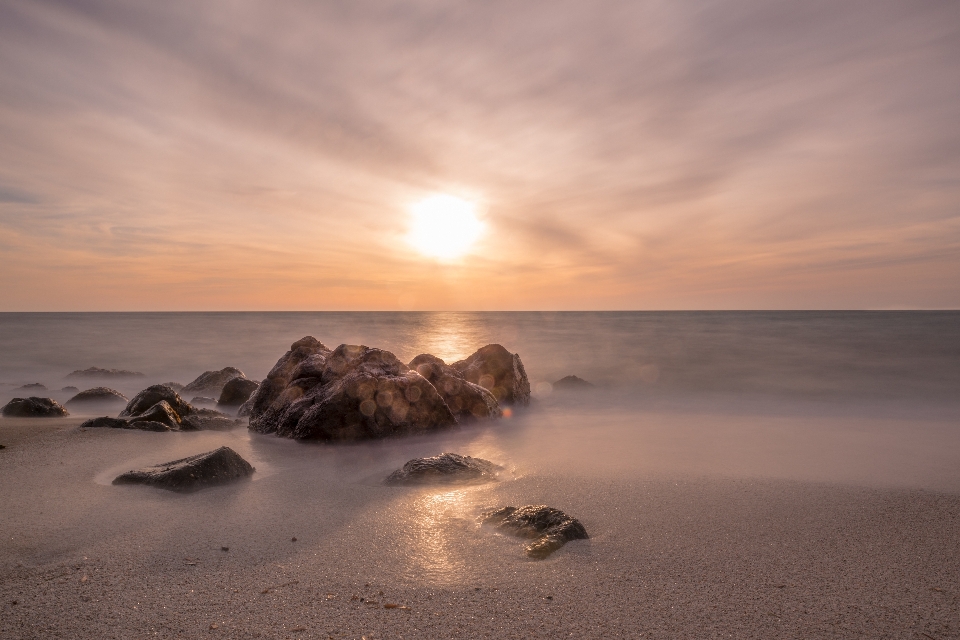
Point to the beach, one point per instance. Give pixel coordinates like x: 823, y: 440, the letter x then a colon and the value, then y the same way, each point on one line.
x: 687, y: 539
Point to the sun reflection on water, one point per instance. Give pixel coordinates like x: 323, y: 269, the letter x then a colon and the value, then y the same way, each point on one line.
x: 433, y: 536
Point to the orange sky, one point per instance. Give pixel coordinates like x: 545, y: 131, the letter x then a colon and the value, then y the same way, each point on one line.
x: 625, y: 155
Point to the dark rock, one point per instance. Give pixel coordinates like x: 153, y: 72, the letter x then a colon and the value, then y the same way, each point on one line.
x: 190, y: 474
x: 572, y: 382
x: 237, y: 391
x: 70, y: 389
x: 98, y: 395
x: 203, y: 400
x: 97, y: 372
x: 33, y: 407
x: 446, y: 468
x: 465, y: 399
x: 31, y: 388
x: 501, y: 372
x: 176, y: 386
x: 151, y: 396
x: 550, y: 528
x: 161, y: 412
x: 212, y: 381
x: 121, y: 423
x: 351, y: 393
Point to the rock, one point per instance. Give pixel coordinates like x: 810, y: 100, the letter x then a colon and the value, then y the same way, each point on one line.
x: 121, y: 423
x: 97, y: 372
x: 33, y: 407
x: 465, y: 399
x: 352, y: 393
x: 176, y: 386
x: 203, y: 400
x: 246, y: 408
x: 31, y: 388
x: 161, y: 412
x: 213, y: 381
x: 209, y: 420
x: 98, y: 395
x: 151, y: 396
x: 190, y: 474
x: 237, y: 391
x: 70, y: 390
x: 550, y: 528
x: 572, y: 382
x: 446, y: 468
x: 501, y: 372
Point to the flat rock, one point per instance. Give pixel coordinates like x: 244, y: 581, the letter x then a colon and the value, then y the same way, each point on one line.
x: 217, y: 467
x: 446, y: 468
x: 212, y: 382
x: 237, y: 391
x: 122, y: 423
x: 151, y: 396
x: 97, y: 372
x: 499, y: 371
x: 98, y: 395
x: 550, y: 528
x: 33, y: 407
x: 572, y: 382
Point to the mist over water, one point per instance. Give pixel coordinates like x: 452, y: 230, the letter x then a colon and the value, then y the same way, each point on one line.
x: 858, y: 397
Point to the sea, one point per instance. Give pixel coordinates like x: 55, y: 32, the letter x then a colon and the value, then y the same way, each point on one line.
x: 861, y: 396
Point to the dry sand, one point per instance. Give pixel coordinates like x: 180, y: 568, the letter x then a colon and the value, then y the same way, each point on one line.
x: 734, y: 551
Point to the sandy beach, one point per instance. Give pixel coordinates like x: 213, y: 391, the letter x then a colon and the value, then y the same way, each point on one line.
x: 732, y: 551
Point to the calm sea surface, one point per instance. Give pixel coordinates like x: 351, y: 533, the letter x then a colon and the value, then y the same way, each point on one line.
x: 833, y: 356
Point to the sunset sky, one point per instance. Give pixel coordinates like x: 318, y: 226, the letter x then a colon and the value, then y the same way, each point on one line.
x: 681, y: 154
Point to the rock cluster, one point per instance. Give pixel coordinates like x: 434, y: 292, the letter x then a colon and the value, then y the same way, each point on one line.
x: 217, y: 467
x: 446, y: 468
x: 550, y: 528
x: 160, y: 408
x: 33, y: 407
x: 356, y: 392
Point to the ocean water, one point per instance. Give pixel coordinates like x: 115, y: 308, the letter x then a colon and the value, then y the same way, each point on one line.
x: 839, y: 356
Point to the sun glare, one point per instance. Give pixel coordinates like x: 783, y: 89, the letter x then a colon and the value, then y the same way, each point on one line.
x: 444, y: 226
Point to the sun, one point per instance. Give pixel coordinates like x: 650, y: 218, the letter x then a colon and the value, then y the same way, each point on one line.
x: 444, y: 226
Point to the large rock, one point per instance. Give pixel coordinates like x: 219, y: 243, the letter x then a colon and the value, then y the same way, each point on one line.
x: 98, y: 396
x: 97, y: 372
x: 351, y: 393
x: 190, y: 474
x: 123, y: 423
x: 498, y: 370
x: 33, y: 407
x: 465, y: 399
x: 237, y: 391
x: 212, y: 382
x: 446, y: 468
x: 550, y: 528
x: 151, y: 396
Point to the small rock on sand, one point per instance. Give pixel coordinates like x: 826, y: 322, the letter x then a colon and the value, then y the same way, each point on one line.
x: 550, y: 527
x: 446, y: 468
x: 191, y: 474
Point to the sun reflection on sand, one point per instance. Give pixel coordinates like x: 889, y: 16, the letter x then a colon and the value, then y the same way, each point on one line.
x: 433, y: 554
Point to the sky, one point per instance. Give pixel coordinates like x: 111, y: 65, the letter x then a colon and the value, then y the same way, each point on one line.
x: 674, y: 154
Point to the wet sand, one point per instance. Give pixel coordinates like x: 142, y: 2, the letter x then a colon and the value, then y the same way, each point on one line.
x: 731, y: 550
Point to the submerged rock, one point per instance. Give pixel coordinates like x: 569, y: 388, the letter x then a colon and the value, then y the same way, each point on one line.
x: 121, y: 423
x: 176, y: 386
x: 151, y: 396
x: 203, y: 400
x: 208, y: 420
x: 237, y: 391
x: 572, y: 382
x: 550, y: 528
x: 33, y: 407
x: 32, y: 387
x: 70, y: 389
x: 352, y: 393
x: 446, y: 468
x: 98, y: 395
x: 465, y: 399
x: 97, y: 372
x: 213, y: 381
x: 191, y: 474
x: 501, y: 372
